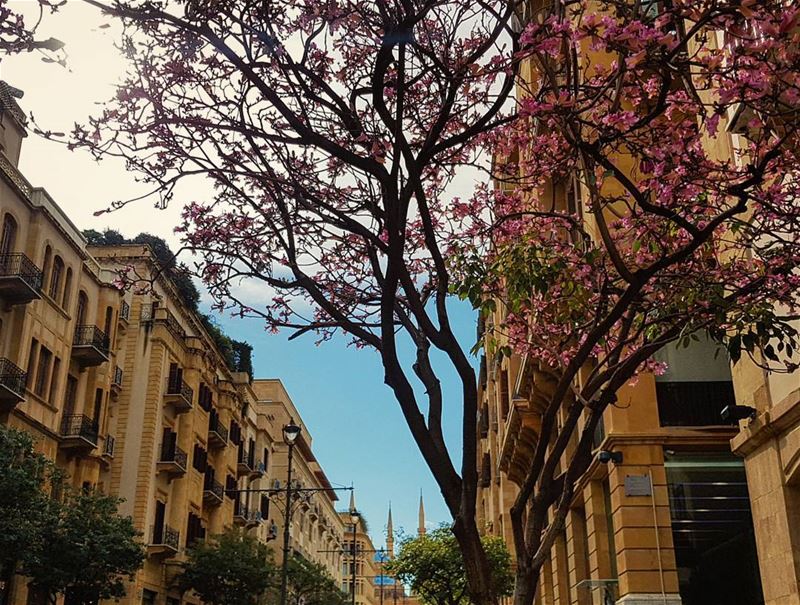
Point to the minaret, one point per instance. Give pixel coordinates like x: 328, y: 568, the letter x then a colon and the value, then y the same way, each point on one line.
x: 421, y: 528
x: 390, y: 535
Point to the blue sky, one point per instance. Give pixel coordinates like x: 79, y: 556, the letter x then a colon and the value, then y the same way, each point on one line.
x: 359, y: 434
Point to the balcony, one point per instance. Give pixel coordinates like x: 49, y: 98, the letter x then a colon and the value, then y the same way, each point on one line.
x: 240, y: 514
x: 12, y: 384
x: 108, y: 448
x: 78, y: 433
x: 165, y: 540
x: 90, y: 346
x: 125, y: 312
x: 179, y: 395
x: 217, y: 433
x: 244, y: 517
x: 695, y: 404
x: 244, y: 464
x: 259, y: 471
x: 116, y: 381
x: 20, y: 279
x: 213, y: 491
x: 173, y: 461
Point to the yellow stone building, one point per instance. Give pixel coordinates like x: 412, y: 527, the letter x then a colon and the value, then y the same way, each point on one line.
x: 184, y: 426
x: 60, y: 322
x: 665, y: 515
x: 770, y: 446
x: 128, y: 393
x: 360, y: 562
x: 316, y: 531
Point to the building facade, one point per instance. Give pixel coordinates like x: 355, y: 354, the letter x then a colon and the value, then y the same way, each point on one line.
x: 128, y: 393
x: 362, y: 562
x: 769, y: 443
x: 186, y: 439
x: 316, y: 530
x: 675, y: 516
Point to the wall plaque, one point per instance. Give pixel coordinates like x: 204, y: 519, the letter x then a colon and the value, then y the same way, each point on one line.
x: 638, y: 485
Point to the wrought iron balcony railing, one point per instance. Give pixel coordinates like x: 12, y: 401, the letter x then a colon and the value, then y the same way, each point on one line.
x: 91, y: 336
x: 125, y: 311
x: 175, y: 455
x: 179, y: 387
x: 108, y: 446
x: 20, y: 266
x: 117, y: 380
x: 12, y: 377
x: 166, y: 536
x: 78, y: 425
x: 213, y: 490
x: 217, y: 432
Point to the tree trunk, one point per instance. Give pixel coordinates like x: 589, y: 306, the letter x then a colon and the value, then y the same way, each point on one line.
x: 476, y: 565
x: 525, y: 583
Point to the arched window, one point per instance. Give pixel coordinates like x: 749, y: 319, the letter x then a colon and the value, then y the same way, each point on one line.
x: 67, y: 288
x: 55, y: 278
x: 80, y: 313
x: 48, y: 260
x: 9, y: 235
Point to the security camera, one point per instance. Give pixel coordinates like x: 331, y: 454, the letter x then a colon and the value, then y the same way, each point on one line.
x: 606, y: 456
x: 733, y: 413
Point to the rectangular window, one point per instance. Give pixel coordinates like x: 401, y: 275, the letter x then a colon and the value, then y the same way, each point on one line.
x: 194, y: 529
x: 98, y: 406
x: 199, y: 459
x: 697, y: 384
x: 231, y: 487
x: 158, y: 524
x: 43, y: 371
x: 149, y: 597
x: 505, y: 398
x: 70, y: 395
x: 32, y: 361
x: 712, y: 528
x: 54, y: 380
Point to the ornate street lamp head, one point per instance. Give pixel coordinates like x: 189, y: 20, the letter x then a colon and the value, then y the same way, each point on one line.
x: 290, y: 432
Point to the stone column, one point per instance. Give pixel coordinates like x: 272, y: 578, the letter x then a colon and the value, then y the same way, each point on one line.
x: 776, y: 519
x: 642, y: 528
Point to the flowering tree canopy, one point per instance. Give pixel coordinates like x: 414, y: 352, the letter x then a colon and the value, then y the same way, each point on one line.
x: 330, y: 131
x: 627, y: 216
x: 18, y: 35
x: 623, y: 215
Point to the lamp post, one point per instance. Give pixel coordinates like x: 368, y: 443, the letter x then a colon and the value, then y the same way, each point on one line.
x: 354, y: 517
x: 290, y: 433
x: 382, y: 579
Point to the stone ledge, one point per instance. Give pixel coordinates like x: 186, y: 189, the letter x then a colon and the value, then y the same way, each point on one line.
x: 650, y: 599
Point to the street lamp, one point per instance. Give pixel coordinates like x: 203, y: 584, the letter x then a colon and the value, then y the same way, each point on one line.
x: 290, y: 433
x: 354, y: 517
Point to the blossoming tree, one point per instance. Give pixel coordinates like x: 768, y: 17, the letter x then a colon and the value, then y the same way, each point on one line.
x: 332, y: 130
x: 646, y: 191
x: 18, y: 34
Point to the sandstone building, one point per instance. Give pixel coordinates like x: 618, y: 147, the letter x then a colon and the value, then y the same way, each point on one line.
x: 676, y: 516
x: 128, y: 393
x: 316, y: 530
